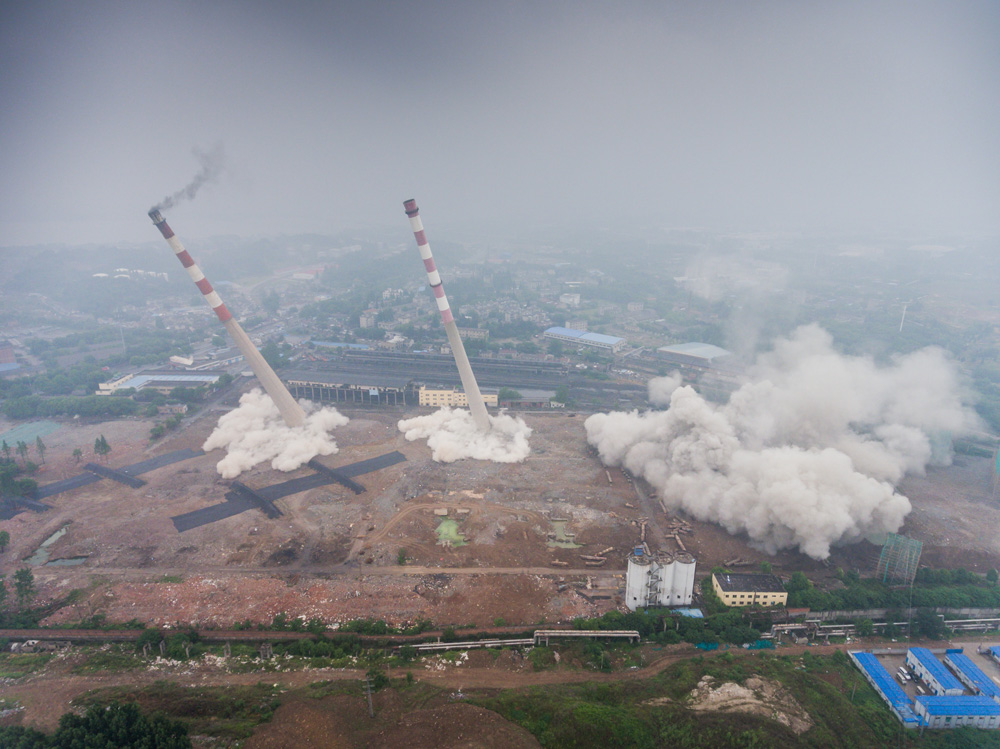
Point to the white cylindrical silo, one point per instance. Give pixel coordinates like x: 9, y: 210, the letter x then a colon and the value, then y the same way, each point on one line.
x: 636, y: 581
x: 665, y: 571
x: 683, y: 584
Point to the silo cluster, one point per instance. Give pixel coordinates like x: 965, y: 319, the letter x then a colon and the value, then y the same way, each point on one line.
x: 661, y: 579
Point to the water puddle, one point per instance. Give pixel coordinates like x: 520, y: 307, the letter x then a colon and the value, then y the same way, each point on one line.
x: 559, y: 538
x: 66, y: 562
x: 448, y: 534
x: 41, y: 555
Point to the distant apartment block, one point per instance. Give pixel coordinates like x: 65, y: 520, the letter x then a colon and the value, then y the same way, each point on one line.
x: 474, y: 334
x: 452, y: 397
x: 570, y: 300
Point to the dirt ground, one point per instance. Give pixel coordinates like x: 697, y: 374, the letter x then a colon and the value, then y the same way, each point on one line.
x: 334, y: 555
x: 338, y: 721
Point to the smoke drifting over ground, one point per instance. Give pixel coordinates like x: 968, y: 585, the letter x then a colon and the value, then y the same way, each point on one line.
x: 212, y: 163
x: 661, y: 388
x: 452, y: 435
x: 806, y: 453
x: 255, y: 432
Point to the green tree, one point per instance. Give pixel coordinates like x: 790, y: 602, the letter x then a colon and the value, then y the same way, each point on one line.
x: 562, y: 392
x: 271, y: 302
x: 401, y: 557
x: 992, y: 576
x: 22, y: 450
x: 118, y: 725
x: 929, y: 624
x: 77, y: 455
x: 6, y: 450
x: 798, y: 583
x: 19, y: 737
x: 272, y: 355
x: 864, y: 627
x: 765, y: 567
x: 24, y: 586
x: 4, y: 540
x: 101, y: 447
x: 40, y: 447
x: 508, y: 394
x: 3, y: 591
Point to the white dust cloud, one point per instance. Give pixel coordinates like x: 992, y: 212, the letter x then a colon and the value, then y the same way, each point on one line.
x: 661, y: 388
x: 452, y: 435
x: 255, y: 432
x: 806, y: 453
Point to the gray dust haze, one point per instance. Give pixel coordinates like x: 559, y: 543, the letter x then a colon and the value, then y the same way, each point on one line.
x: 504, y: 117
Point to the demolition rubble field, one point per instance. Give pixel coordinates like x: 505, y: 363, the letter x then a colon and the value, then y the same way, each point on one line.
x: 478, y: 541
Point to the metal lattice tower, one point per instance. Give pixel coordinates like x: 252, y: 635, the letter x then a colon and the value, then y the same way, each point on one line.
x: 898, y: 563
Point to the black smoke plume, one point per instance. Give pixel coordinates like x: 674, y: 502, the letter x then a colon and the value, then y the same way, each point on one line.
x: 212, y: 164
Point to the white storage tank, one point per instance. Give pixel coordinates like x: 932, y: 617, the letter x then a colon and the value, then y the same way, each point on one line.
x: 665, y: 571
x: 637, y: 579
x: 683, y: 583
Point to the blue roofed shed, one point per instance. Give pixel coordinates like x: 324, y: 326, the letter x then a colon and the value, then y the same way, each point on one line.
x: 933, y: 672
x: 972, y: 676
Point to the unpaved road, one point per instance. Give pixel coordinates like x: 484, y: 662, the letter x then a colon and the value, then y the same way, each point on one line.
x: 146, y: 573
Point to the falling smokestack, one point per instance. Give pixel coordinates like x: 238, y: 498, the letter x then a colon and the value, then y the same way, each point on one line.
x: 475, y: 398
x: 290, y: 411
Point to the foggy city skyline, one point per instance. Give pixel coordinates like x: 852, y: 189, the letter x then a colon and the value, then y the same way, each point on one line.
x: 844, y: 118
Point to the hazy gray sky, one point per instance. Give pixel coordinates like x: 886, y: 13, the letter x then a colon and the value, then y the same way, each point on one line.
x: 834, y: 115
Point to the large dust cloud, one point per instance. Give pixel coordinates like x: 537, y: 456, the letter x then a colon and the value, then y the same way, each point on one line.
x: 452, y: 435
x: 806, y: 453
x: 255, y: 432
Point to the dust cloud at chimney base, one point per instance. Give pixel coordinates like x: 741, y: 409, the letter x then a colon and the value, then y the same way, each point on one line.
x: 806, y: 454
x: 255, y: 433
x: 452, y: 435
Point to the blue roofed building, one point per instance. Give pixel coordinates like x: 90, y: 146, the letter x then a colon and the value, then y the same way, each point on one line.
x: 933, y: 672
x: 953, y: 712
x: 995, y: 653
x: 886, y: 686
x: 972, y: 676
x: 583, y: 338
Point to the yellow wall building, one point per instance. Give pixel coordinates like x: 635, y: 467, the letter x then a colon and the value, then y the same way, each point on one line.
x: 741, y: 589
x: 453, y: 397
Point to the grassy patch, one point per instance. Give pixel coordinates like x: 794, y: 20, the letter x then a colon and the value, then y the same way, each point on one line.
x: 113, y: 658
x: 225, y: 712
x: 19, y: 665
x: 541, y: 658
x: 845, y: 709
x: 169, y: 579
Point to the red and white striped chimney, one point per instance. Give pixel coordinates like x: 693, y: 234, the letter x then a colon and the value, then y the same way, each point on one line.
x: 476, y: 405
x: 291, y: 411
x: 211, y: 296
